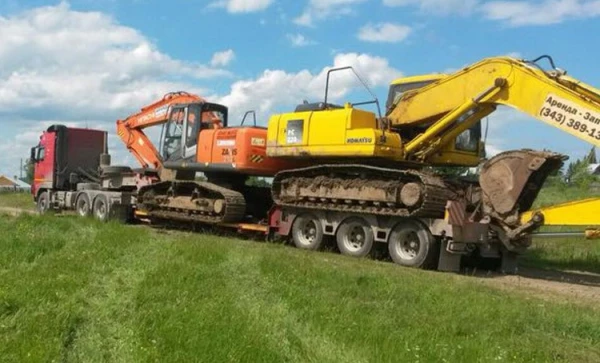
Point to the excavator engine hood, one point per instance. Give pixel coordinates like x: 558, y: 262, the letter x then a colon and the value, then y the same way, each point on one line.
x: 511, y: 181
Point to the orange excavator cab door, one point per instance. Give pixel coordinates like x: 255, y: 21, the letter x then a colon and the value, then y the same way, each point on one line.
x: 180, y: 135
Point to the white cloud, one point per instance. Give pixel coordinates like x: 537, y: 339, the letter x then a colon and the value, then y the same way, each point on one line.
x: 65, y: 65
x: 512, y: 13
x: 521, y: 13
x: 514, y: 55
x: 221, y: 59
x: 321, y: 9
x: 299, y: 40
x: 53, y: 57
x: 437, y: 6
x: 242, y: 6
x: 264, y: 94
x: 384, y: 32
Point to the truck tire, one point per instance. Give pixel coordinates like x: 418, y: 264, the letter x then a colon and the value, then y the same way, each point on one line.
x: 355, y: 237
x: 307, y: 232
x: 101, y: 208
x: 43, y: 203
x: 83, y: 206
x: 411, y: 244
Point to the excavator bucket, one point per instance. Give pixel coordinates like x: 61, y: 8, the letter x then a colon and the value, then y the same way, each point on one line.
x: 511, y: 181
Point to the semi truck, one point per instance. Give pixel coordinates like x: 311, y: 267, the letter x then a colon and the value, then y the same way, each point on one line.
x: 73, y: 173
x: 344, y: 173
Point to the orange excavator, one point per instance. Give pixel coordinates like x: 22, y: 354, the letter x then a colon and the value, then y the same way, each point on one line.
x: 196, y: 138
x: 131, y: 129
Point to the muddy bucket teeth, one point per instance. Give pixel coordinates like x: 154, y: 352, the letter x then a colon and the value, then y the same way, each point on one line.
x: 511, y: 181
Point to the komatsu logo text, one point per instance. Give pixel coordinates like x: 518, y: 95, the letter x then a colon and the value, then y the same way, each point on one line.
x: 359, y: 140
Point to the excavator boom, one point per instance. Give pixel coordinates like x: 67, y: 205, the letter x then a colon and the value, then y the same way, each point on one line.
x: 510, y: 181
x: 475, y: 91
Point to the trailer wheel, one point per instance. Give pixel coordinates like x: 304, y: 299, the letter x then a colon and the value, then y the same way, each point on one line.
x: 83, y: 205
x: 412, y: 244
x: 307, y: 232
x: 43, y: 203
x: 101, y: 208
x: 355, y: 237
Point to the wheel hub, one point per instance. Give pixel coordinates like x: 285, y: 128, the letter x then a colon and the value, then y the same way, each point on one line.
x: 101, y: 209
x: 354, y: 240
x: 409, y: 246
x: 309, y: 233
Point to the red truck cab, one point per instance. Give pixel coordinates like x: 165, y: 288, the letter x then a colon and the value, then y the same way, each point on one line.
x: 64, y: 157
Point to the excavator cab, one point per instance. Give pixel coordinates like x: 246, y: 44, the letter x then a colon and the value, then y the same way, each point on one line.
x: 464, y: 148
x: 180, y: 134
x: 401, y: 85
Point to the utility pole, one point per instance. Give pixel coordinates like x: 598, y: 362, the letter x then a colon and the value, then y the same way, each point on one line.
x: 21, y: 170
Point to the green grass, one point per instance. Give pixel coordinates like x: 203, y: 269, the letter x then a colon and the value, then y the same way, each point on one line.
x: 77, y: 290
x: 563, y: 253
x: 554, y: 194
x: 17, y: 200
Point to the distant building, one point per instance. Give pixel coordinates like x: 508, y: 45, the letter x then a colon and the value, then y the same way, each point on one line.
x: 13, y: 184
x: 594, y: 169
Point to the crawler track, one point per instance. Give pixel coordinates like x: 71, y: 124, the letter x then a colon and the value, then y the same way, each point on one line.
x: 363, y: 189
x: 192, y: 201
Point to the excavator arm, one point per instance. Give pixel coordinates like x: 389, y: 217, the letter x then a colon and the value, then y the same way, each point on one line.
x: 130, y: 130
x: 510, y: 181
x: 454, y: 103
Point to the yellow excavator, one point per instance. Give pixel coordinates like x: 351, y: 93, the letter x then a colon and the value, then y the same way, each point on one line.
x: 371, y: 179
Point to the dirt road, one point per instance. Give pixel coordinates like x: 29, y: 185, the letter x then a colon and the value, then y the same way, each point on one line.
x: 16, y: 211
x: 568, y: 286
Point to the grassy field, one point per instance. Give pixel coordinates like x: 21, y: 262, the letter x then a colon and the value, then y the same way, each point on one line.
x: 563, y: 253
x: 77, y: 290
x: 17, y: 200
x: 557, y: 193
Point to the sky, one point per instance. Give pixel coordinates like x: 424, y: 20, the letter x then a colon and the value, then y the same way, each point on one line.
x: 89, y: 63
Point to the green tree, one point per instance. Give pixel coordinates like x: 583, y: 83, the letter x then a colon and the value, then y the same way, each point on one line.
x: 591, y: 157
x: 28, y: 169
x: 578, y: 171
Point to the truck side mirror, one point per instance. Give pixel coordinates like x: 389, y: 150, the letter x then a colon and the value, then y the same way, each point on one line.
x: 33, y: 156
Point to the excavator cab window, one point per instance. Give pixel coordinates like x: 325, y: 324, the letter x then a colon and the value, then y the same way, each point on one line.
x: 172, y: 140
x: 214, y: 114
x: 468, y: 140
x: 192, y: 128
x: 180, y: 135
x: 397, y: 90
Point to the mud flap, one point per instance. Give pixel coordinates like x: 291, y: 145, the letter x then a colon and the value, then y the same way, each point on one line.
x: 511, y: 181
